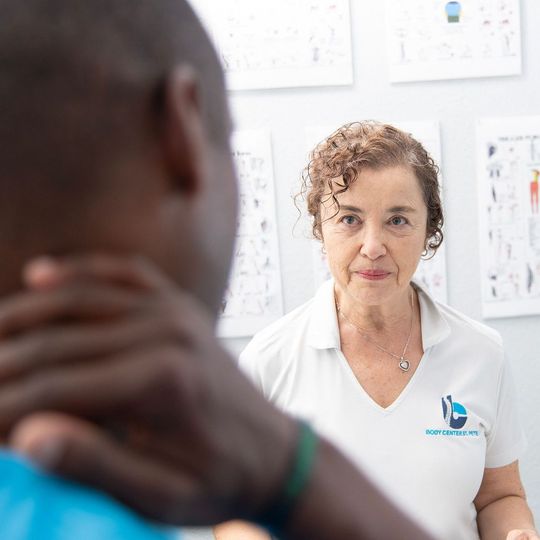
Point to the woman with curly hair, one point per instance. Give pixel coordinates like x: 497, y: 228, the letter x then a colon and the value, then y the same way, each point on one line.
x: 413, y: 391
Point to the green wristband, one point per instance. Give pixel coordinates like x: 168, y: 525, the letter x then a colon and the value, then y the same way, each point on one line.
x: 277, y: 515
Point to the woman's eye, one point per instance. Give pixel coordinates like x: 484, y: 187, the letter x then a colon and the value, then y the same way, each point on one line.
x: 349, y: 220
x: 398, y: 220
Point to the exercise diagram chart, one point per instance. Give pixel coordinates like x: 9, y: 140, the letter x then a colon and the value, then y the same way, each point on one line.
x: 509, y: 216
x: 457, y: 39
x: 253, y: 298
x: 281, y: 43
x: 431, y: 273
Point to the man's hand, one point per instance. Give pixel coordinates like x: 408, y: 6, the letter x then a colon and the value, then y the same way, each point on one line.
x: 110, y: 375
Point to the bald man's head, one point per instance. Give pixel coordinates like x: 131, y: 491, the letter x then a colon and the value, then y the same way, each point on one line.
x: 84, y: 91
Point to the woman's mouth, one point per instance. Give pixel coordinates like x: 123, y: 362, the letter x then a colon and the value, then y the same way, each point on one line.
x: 373, y: 275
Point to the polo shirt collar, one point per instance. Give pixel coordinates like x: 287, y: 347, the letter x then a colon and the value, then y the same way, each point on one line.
x: 323, y: 331
x: 435, y: 327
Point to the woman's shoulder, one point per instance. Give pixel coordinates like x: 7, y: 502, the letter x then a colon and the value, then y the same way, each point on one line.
x: 463, y: 323
x: 282, y: 331
x: 291, y: 339
x: 459, y: 325
x: 297, y: 326
x: 268, y: 356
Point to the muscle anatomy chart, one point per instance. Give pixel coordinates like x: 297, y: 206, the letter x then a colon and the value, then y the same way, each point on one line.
x: 508, y: 176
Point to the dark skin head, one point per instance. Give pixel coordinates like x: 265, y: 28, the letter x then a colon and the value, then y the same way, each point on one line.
x: 114, y: 132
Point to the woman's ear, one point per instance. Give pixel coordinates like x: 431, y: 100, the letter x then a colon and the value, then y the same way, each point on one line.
x: 426, y: 250
x: 183, y: 134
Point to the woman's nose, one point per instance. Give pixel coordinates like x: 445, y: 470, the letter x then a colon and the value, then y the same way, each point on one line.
x: 372, y: 243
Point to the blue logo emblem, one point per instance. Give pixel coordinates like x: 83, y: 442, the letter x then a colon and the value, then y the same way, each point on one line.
x: 455, y: 414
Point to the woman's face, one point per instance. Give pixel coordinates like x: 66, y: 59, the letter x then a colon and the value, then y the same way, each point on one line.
x: 375, y: 241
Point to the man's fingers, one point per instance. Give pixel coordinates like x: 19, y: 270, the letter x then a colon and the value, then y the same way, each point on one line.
x: 91, y: 301
x: 134, y: 272
x: 92, y: 389
x: 82, y: 452
x: 54, y: 345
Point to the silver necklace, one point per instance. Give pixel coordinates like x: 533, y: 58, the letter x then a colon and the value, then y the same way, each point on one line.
x: 404, y: 364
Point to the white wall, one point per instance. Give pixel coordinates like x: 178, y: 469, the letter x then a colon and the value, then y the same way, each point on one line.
x: 456, y: 104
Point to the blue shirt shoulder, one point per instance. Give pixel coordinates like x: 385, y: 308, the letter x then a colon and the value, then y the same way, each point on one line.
x: 37, y: 506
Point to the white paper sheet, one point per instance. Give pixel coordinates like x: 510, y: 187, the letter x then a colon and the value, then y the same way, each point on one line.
x: 430, y: 273
x: 281, y: 43
x: 508, y: 160
x: 448, y: 40
x: 254, y: 297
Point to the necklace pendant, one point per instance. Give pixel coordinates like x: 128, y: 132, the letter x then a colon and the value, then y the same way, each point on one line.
x: 404, y: 365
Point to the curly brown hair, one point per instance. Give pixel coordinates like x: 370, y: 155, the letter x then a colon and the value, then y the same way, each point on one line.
x: 336, y: 162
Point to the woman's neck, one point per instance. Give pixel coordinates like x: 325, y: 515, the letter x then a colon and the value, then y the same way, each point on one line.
x: 377, y: 318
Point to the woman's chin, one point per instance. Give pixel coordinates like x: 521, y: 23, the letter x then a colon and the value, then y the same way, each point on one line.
x: 372, y: 296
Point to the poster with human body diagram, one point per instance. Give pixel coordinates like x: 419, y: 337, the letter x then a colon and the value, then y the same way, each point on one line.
x: 253, y: 298
x: 508, y: 193
x: 280, y: 43
x: 440, y: 39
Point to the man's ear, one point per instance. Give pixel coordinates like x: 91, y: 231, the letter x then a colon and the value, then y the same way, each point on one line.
x: 183, y: 134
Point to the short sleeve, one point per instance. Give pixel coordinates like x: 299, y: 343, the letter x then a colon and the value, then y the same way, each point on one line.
x: 506, y: 440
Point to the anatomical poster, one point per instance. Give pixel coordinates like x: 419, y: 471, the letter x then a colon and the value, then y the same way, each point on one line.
x: 281, y: 43
x: 438, y: 39
x: 253, y: 298
x: 508, y: 160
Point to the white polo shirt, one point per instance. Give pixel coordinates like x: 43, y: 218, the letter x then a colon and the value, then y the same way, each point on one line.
x: 429, y: 448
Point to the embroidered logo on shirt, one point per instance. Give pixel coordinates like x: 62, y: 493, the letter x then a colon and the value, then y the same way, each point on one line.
x: 454, y: 413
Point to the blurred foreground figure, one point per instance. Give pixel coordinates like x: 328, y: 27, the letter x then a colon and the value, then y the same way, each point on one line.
x: 115, y: 163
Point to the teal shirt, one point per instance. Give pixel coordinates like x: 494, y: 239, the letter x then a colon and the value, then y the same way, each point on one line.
x: 37, y: 506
